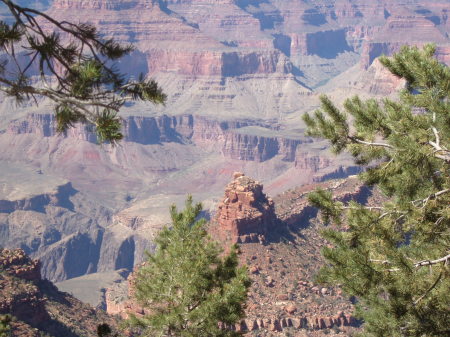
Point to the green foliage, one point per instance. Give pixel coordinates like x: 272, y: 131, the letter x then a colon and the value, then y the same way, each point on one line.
x: 5, y: 327
x: 76, y: 68
x: 186, y: 286
x: 394, y: 258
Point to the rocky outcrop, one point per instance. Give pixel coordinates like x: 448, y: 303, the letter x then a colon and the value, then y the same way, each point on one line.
x: 245, y: 214
x: 37, y: 306
x: 16, y: 263
x: 296, y: 322
x: 23, y: 299
x: 282, y: 296
x: 119, y: 299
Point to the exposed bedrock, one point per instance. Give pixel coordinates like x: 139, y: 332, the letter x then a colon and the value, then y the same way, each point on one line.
x: 228, y: 137
x: 70, y: 235
x: 245, y: 214
x: 37, y: 307
x: 325, y: 44
x: 194, y: 63
x: 296, y: 322
x: 21, y: 299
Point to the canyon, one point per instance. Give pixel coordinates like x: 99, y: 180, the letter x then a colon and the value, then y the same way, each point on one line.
x: 239, y: 74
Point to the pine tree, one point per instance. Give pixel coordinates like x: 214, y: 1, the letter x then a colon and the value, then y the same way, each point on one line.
x: 395, y: 258
x: 187, y: 287
x: 76, y: 70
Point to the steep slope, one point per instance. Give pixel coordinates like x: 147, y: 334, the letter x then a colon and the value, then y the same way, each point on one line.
x: 37, y: 306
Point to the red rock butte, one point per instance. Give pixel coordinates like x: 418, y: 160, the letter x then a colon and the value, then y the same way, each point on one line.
x: 245, y: 214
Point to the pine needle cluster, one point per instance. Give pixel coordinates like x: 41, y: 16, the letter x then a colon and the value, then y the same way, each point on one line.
x: 72, y: 65
x: 394, y: 258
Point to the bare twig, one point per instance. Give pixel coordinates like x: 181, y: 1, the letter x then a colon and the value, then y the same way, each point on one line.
x: 359, y: 141
x: 431, y: 196
x: 431, y: 262
x: 429, y: 289
x: 425, y: 263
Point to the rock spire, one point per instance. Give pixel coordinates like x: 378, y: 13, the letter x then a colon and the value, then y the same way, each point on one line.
x: 245, y: 214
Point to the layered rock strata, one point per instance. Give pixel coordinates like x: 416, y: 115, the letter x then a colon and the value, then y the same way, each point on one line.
x: 296, y: 322
x: 245, y: 214
x: 225, y: 136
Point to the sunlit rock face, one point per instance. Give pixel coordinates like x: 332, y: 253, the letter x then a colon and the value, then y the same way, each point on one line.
x: 245, y: 214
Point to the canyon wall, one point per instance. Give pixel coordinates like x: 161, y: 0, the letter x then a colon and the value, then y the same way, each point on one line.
x: 72, y: 236
x: 225, y: 136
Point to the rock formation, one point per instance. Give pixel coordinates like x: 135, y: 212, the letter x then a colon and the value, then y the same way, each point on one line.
x: 245, y: 214
x: 37, y: 305
x: 24, y: 300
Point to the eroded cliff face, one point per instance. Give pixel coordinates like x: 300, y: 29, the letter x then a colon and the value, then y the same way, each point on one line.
x: 312, y: 41
x: 72, y: 236
x: 227, y: 137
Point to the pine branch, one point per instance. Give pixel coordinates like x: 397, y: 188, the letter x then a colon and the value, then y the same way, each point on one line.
x: 429, y: 289
x: 431, y: 196
x: 431, y: 262
x: 85, y: 82
x: 420, y: 263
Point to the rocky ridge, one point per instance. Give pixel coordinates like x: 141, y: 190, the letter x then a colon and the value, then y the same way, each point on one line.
x: 37, y: 306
